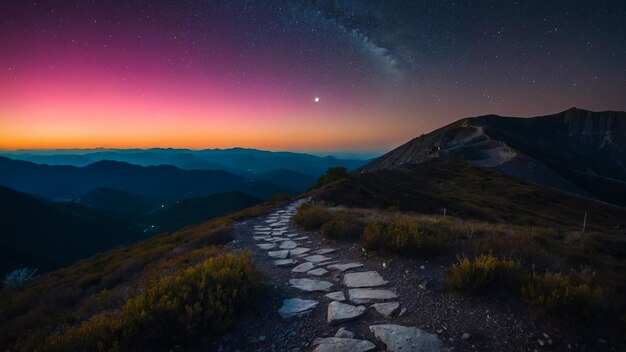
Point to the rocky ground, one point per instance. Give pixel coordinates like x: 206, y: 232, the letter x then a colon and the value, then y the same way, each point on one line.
x: 329, y: 296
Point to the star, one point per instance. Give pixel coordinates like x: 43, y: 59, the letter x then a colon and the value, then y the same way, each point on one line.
x: 316, y: 99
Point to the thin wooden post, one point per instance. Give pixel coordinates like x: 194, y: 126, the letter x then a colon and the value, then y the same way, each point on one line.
x: 585, y: 222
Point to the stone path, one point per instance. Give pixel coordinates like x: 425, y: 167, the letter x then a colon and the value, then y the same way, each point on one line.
x: 347, y: 291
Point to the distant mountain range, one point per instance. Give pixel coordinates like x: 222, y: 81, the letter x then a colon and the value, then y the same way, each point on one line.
x: 236, y: 160
x: 576, y: 151
x: 167, y: 182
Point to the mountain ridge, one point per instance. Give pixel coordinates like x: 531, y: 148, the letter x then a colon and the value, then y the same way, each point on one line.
x: 576, y: 151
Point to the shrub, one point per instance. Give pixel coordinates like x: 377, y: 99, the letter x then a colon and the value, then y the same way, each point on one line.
x: 404, y: 236
x: 311, y: 217
x: 484, y: 272
x: 558, y: 294
x: 342, y: 227
x: 18, y: 277
x: 199, y: 300
x: 331, y: 175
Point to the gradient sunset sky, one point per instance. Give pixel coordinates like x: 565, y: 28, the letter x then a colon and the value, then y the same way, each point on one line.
x: 218, y: 74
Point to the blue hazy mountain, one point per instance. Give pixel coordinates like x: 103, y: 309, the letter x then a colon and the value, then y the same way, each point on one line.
x: 236, y: 160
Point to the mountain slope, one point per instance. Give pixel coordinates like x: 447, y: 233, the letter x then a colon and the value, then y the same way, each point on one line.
x: 130, y: 204
x: 470, y: 191
x: 576, y: 151
x: 69, y: 182
x: 195, y: 210
x: 47, y: 235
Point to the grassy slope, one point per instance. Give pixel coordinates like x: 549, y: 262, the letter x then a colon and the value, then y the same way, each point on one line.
x: 473, y: 192
x: 105, y: 282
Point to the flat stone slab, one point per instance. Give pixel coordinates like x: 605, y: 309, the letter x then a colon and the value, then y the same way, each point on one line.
x: 400, y: 338
x: 318, y: 272
x: 298, y: 251
x: 386, y: 309
x: 341, y: 312
x: 324, y: 251
x: 278, y: 254
x: 288, y: 245
x: 344, y: 267
x: 336, y: 296
x: 296, y: 307
x: 303, y: 268
x: 311, y: 285
x: 364, y: 279
x: 276, y: 239
x: 344, y: 333
x: 266, y: 245
x: 338, y: 344
x: 316, y: 258
x: 300, y: 238
x: 284, y: 262
x: 366, y: 295
x: 261, y: 238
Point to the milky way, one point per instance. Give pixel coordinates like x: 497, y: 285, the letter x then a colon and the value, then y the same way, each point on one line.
x: 204, y: 74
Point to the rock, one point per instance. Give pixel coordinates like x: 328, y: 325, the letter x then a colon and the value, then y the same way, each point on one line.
x: 299, y: 251
x: 266, y: 245
x: 363, y: 279
x: 400, y: 338
x: 303, y: 268
x: 386, y: 309
x: 337, y: 344
x: 278, y: 254
x: 402, y: 312
x: 344, y: 267
x: 318, y: 272
x: 316, y: 258
x: 284, y: 262
x: 366, y: 295
x: 336, y: 296
x: 340, y: 312
x: 288, y: 245
x: 262, y: 338
x: 466, y: 336
x: 296, y: 306
x: 344, y: 333
x: 324, y: 251
x: 311, y: 285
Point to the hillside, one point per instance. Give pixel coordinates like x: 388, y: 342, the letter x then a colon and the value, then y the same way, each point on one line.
x: 576, y: 151
x: 195, y: 210
x: 470, y: 191
x: 169, y: 182
x: 47, y: 235
x: 125, y: 203
x: 137, y: 297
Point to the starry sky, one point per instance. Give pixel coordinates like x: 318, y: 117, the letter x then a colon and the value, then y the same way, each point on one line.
x: 226, y: 73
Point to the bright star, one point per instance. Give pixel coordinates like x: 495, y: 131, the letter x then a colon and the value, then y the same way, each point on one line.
x: 317, y: 99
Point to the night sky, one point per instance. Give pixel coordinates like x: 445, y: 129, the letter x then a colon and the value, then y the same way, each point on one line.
x: 217, y: 74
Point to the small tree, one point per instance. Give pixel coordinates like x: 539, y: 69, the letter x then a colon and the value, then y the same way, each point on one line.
x: 18, y: 277
x: 331, y: 175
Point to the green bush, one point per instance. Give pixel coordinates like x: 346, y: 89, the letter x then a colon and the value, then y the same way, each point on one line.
x: 341, y: 227
x: 404, y: 236
x: 484, y: 272
x: 198, y: 301
x: 558, y: 294
x: 312, y: 217
x: 331, y: 175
